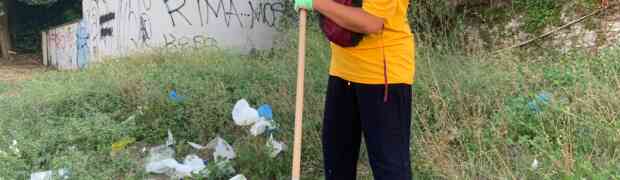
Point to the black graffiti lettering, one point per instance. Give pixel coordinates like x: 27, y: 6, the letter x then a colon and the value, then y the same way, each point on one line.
x: 145, y: 31
x: 198, y: 40
x: 265, y: 13
x: 204, y: 41
x: 233, y: 11
x: 147, y: 6
x: 278, y: 10
x: 106, y: 32
x: 106, y: 18
x: 176, y: 10
x: 200, y: 13
x: 169, y: 41
x: 216, y: 12
x: 183, y: 42
x: 221, y: 10
x: 255, y: 14
x: 266, y: 9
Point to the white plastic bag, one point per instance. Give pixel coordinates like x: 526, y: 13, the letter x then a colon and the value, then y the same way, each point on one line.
x: 170, y: 140
x: 191, y: 165
x: 165, y: 166
x: 243, y: 114
x: 49, y: 175
x: 222, y: 150
x: 260, y: 127
x: 275, y: 146
x: 196, y: 146
x: 169, y: 166
x: 160, y: 160
x: 239, y: 177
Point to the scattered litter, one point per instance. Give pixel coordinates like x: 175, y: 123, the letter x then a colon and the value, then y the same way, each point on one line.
x: 275, y: 146
x: 191, y: 165
x: 534, y: 107
x: 222, y: 150
x: 225, y: 167
x: 194, y: 161
x: 542, y: 99
x: 260, y: 127
x: 174, y: 97
x: 239, y: 177
x: 196, y: 146
x: 170, y: 140
x: 122, y: 144
x: 49, y: 175
x: 14, y: 148
x: 243, y: 114
x: 130, y: 118
x: 264, y: 111
x: 223, y: 153
x: 535, y: 164
x: 165, y: 166
x: 160, y: 160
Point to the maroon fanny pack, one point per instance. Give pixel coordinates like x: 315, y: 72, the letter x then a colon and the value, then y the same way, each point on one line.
x: 336, y: 33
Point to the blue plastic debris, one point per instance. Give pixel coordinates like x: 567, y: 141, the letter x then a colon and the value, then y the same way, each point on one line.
x: 534, y: 107
x: 264, y: 111
x: 174, y: 97
x: 542, y: 99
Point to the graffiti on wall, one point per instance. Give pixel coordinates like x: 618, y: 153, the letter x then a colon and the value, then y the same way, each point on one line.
x: 112, y: 28
x: 61, y: 46
x: 118, y: 27
x: 82, y: 45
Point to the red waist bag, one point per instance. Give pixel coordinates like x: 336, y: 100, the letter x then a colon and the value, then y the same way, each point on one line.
x: 337, y: 34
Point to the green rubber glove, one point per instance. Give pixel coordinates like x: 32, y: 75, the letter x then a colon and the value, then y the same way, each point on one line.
x: 303, y: 4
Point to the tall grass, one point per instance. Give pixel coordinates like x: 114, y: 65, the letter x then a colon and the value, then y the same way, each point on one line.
x: 471, y: 114
x: 473, y: 120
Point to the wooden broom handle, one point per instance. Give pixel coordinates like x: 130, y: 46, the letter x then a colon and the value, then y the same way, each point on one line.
x: 299, y: 102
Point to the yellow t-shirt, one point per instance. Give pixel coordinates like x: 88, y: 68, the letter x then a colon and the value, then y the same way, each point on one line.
x: 364, y: 62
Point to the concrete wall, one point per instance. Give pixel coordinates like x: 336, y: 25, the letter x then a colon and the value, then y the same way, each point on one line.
x: 61, y: 49
x: 112, y: 28
x: 118, y: 26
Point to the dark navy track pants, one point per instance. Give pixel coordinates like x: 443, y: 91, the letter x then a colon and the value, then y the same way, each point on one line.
x: 353, y: 111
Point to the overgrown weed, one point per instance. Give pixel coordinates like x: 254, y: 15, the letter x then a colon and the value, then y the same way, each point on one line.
x: 471, y: 114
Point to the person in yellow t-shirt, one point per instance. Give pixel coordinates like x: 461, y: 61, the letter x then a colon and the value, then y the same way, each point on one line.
x: 369, y: 89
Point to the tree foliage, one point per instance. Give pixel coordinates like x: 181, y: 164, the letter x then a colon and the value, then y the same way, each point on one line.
x: 38, y: 2
x: 30, y: 17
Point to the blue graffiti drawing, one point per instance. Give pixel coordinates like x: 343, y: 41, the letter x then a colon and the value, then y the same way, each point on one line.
x: 82, y: 44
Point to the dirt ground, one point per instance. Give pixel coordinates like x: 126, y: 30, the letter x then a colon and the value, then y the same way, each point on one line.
x: 21, y: 67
